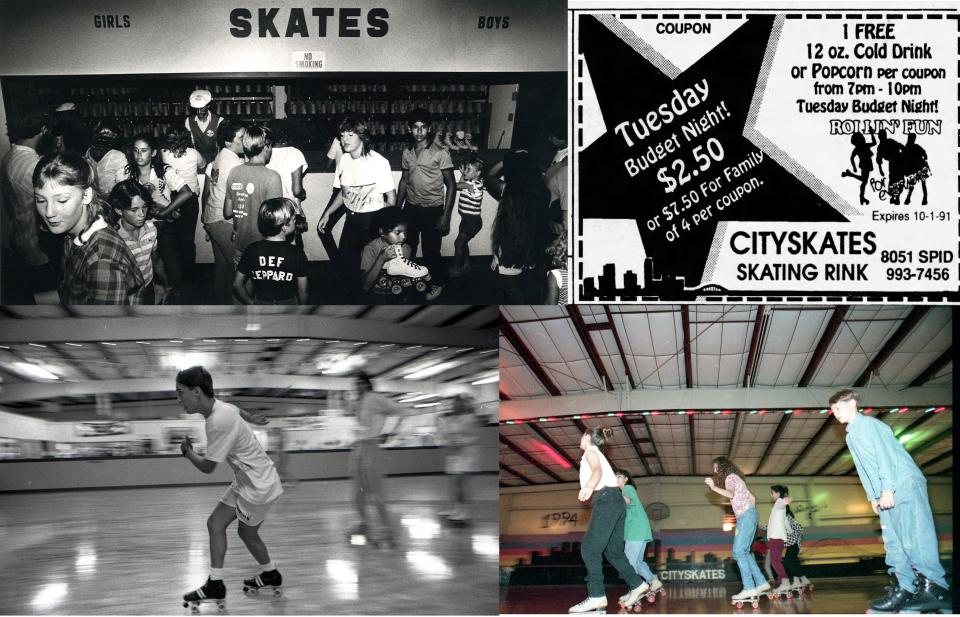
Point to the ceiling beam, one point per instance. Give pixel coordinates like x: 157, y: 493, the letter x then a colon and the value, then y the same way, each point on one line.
x: 516, y: 473
x: 530, y: 459
x: 578, y: 324
x: 754, y: 344
x: 937, y: 459
x: 182, y: 323
x: 833, y: 459
x: 784, y: 418
x: 930, y: 442
x: 632, y: 438
x: 527, y: 356
x: 836, y: 320
x: 623, y: 357
x: 560, y: 450
x: 642, y: 420
x: 687, y: 360
x: 468, y: 311
x: 810, y: 444
x: 735, y: 436
x: 909, y: 323
x: 935, y: 367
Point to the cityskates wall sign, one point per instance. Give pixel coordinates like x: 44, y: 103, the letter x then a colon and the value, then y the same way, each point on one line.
x: 751, y: 153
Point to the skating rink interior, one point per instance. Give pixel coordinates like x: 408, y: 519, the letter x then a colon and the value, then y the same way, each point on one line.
x: 681, y: 385
x: 100, y: 515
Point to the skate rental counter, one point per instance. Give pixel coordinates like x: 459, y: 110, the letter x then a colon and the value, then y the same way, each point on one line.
x: 490, y: 73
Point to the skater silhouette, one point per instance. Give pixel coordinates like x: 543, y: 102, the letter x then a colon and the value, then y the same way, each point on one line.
x: 915, y: 167
x: 891, y: 151
x: 861, y: 159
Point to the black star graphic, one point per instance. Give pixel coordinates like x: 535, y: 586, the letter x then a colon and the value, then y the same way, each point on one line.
x: 628, y: 87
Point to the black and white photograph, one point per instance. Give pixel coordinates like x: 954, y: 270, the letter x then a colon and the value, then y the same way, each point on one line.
x: 226, y: 460
x: 394, y: 152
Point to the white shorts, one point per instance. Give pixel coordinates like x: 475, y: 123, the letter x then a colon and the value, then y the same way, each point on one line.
x: 247, y: 513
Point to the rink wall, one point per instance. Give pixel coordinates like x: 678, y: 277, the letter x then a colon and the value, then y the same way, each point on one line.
x: 65, y: 474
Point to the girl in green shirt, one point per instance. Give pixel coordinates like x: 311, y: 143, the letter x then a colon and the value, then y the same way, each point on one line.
x: 636, y: 532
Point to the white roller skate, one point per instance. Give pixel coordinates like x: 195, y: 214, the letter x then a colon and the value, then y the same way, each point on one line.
x: 214, y: 592
x: 807, y: 583
x: 655, y: 587
x: 399, y: 265
x: 265, y: 579
x: 590, y: 605
x: 784, y: 589
x: 624, y: 599
x: 747, y: 596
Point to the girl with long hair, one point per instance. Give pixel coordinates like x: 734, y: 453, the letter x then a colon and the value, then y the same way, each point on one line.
x: 727, y: 480
x: 521, y: 229
x: 604, y: 535
x: 98, y: 267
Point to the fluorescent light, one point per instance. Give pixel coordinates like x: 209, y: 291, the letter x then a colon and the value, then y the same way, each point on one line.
x: 32, y: 371
x: 494, y: 377
x: 36, y: 345
x: 421, y: 397
x: 74, y: 344
x: 430, y: 371
x: 426, y: 405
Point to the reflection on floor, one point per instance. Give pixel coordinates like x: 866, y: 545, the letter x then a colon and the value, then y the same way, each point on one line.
x: 848, y: 595
x: 137, y: 551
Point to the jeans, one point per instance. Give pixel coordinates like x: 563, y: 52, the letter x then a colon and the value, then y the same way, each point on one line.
x: 910, y: 538
x: 604, y: 538
x: 422, y: 224
x: 177, y: 245
x: 634, y: 550
x: 776, y: 558
x: 358, y: 231
x: 749, y: 570
x: 221, y: 241
x: 791, y: 561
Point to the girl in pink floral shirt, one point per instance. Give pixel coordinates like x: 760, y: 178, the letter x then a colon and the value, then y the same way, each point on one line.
x: 727, y: 475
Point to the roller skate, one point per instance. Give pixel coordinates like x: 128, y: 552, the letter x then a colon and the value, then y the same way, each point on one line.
x: 747, y: 596
x: 806, y: 581
x: 264, y: 579
x: 590, y: 605
x: 644, y: 587
x: 357, y: 536
x: 457, y: 518
x: 796, y: 585
x: 929, y: 598
x: 656, y: 587
x: 212, y: 591
x: 894, y: 602
x: 783, y: 589
x: 398, y: 265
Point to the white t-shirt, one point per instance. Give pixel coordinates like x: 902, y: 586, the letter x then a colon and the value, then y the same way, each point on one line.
x: 335, y: 151
x: 285, y: 161
x: 372, y: 413
x: 186, y: 166
x: 363, y: 181
x: 219, y: 171
x: 230, y: 439
x: 777, y: 524
x: 172, y: 182
x: 607, y: 477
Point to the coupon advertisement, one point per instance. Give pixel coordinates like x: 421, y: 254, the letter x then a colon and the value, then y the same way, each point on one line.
x: 772, y: 154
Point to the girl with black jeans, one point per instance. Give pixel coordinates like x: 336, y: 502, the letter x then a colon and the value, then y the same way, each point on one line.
x: 604, y: 535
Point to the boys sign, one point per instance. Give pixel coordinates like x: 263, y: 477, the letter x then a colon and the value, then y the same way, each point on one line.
x: 810, y: 153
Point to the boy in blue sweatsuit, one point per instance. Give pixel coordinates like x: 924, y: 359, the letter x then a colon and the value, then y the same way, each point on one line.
x: 897, y: 491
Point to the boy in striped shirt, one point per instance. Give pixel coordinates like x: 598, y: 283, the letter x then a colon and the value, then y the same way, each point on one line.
x: 132, y: 204
x: 470, y: 194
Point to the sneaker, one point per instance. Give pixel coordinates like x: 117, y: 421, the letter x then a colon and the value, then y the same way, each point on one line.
x: 590, y: 604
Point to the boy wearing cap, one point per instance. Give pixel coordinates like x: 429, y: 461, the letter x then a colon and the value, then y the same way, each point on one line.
x: 202, y: 124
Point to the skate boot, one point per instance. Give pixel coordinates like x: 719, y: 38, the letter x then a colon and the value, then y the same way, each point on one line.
x: 784, y: 589
x: 796, y: 585
x: 358, y: 535
x: 644, y: 587
x: 807, y: 583
x: 590, y: 605
x: 763, y: 588
x: 212, y: 591
x: 401, y: 266
x: 895, y: 600
x: 746, y: 596
x: 655, y: 587
x: 929, y: 598
x: 264, y: 579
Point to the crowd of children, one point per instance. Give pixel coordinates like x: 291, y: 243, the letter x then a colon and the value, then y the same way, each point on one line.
x: 243, y: 182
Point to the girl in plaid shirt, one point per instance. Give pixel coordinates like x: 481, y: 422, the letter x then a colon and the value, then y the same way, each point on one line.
x: 98, y: 267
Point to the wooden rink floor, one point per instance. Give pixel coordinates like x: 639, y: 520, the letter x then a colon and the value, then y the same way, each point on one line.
x: 833, y: 596
x: 137, y: 551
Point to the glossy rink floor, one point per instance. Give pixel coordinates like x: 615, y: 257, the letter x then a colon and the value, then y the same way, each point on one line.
x: 848, y: 595
x: 137, y: 551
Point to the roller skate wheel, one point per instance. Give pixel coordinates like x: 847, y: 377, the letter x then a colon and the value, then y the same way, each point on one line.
x: 186, y: 604
x: 277, y: 591
x: 739, y: 604
x: 221, y: 606
x: 396, y: 289
x: 651, y: 598
x: 421, y: 286
x: 755, y: 604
